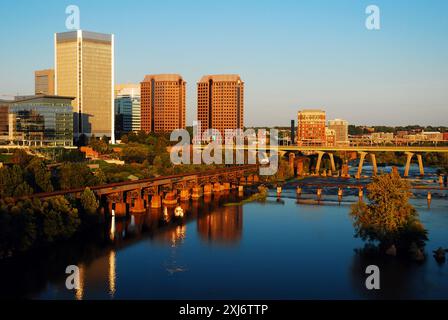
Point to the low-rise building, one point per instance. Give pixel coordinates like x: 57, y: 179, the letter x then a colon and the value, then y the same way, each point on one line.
x: 330, y: 137
x: 41, y: 120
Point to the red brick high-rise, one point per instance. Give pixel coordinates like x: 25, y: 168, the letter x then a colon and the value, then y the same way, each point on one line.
x: 221, y: 102
x: 162, y: 103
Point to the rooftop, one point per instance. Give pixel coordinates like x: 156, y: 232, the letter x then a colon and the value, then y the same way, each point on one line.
x: 221, y: 78
x: 163, y: 77
x: 40, y: 97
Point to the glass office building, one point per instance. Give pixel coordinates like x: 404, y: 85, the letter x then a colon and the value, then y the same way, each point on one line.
x: 42, y: 121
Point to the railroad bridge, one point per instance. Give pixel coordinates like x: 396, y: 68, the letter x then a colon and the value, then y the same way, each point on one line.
x: 136, y: 196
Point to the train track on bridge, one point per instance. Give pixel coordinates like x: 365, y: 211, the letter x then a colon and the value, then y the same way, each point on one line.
x: 145, y: 183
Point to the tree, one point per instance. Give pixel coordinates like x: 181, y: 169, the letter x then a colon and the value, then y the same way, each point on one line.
x: 38, y: 176
x: 21, y: 158
x: 75, y: 175
x: 88, y: 201
x: 389, y: 218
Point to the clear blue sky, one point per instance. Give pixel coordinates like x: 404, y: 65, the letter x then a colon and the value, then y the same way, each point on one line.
x: 291, y: 54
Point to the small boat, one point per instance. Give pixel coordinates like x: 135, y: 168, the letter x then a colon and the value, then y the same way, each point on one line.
x: 179, y: 212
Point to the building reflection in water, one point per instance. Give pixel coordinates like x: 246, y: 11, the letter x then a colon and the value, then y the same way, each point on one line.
x: 223, y: 225
x: 79, y: 293
x: 112, y: 273
x: 99, y: 276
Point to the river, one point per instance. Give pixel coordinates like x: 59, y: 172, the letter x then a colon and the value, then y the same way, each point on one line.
x: 279, y: 249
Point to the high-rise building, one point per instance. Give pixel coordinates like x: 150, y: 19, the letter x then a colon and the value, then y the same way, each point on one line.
x: 5, y: 135
x: 340, y: 128
x: 44, y: 82
x: 311, y: 130
x: 221, y: 102
x: 84, y: 69
x: 162, y: 103
x: 41, y: 121
x: 127, y: 109
x: 121, y: 86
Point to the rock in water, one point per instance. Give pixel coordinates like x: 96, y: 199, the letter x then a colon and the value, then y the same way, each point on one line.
x: 416, y: 252
x: 439, y: 255
x: 392, y: 251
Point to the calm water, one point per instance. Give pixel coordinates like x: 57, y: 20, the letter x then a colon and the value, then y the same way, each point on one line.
x: 273, y: 250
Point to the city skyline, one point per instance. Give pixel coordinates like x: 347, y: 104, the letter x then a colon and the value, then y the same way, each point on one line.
x: 366, y: 81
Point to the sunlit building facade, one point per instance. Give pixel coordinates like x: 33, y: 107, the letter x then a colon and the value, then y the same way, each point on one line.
x: 311, y: 128
x: 221, y: 102
x: 5, y: 133
x: 44, y: 82
x: 84, y: 69
x: 163, y: 103
x: 41, y: 121
x: 127, y: 109
x: 340, y: 128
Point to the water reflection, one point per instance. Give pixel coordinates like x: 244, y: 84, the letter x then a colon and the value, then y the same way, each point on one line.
x: 112, y: 273
x: 224, y: 225
x: 290, y: 250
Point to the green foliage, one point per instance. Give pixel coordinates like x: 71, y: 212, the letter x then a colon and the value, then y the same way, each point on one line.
x: 89, y: 203
x: 12, y: 182
x: 99, y: 145
x: 284, y: 172
x: 38, y: 176
x: 134, y: 152
x: 388, y: 217
x: 76, y: 175
x: 31, y: 223
x: 21, y: 158
x: 71, y: 156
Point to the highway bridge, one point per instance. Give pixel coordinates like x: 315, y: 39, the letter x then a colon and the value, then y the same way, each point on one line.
x: 363, y: 151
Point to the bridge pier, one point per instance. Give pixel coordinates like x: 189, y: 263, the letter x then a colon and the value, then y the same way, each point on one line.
x: 120, y: 209
x: 196, y: 194
x: 208, y: 189
x: 184, y: 195
x: 299, y: 191
x: 320, y: 154
x: 374, y: 165
x: 420, y: 165
x: 300, y: 167
x: 138, y: 206
x: 156, y: 201
x: 361, y: 163
x: 333, y: 166
x: 217, y: 187
x: 292, y: 158
x: 319, y: 194
x: 360, y: 194
x: 279, y: 191
x: 170, y: 199
x: 408, y: 163
x: 344, y: 171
